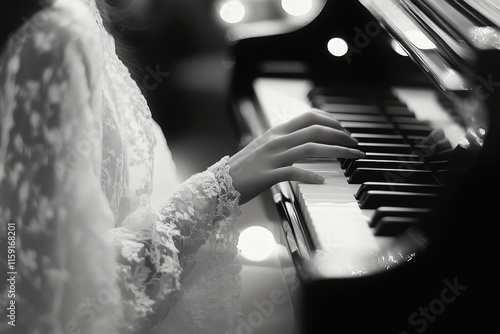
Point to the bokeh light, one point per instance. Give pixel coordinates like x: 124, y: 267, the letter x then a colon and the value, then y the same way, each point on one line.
x: 256, y: 243
x: 232, y: 11
x: 337, y: 47
x: 297, y: 7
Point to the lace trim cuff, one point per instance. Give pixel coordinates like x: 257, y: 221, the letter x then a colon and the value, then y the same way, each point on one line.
x: 229, y: 197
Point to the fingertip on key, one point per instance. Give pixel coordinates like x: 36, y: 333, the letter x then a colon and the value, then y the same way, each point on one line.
x: 357, y: 153
x: 319, y: 179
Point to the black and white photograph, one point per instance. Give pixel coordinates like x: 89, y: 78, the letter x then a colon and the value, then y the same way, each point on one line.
x: 249, y: 166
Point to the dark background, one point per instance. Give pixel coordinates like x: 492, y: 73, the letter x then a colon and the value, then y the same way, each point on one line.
x: 186, y: 39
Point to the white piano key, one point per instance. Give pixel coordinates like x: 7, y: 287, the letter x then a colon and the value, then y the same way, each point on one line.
x: 316, y: 202
x: 345, y: 188
x: 332, y: 211
x: 328, y: 196
x: 327, y: 168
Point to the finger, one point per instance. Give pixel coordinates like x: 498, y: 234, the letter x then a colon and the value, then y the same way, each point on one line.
x: 311, y: 118
x: 296, y: 174
x: 313, y: 134
x: 315, y: 150
x: 321, y: 111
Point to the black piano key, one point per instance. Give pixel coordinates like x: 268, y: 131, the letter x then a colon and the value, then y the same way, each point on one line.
x: 422, y: 149
x: 373, y: 199
x: 357, y: 109
x: 343, y: 91
x: 344, y: 163
x: 439, y: 156
x: 392, y: 211
x: 393, y: 186
x: 365, y: 127
x: 342, y: 117
x: 385, y: 148
x: 362, y: 175
x: 318, y: 99
x: 398, y: 111
x: 392, y: 101
x: 394, y: 226
x: 361, y: 163
x: 416, y: 140
x: 392, y: 156
x: 415, y: 129
x: 438, y: 165
x: 378, y: 138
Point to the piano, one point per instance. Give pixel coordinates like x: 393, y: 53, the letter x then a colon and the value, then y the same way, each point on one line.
x: 401, y: 241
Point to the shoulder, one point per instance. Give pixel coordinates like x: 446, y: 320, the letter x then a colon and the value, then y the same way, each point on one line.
x: 64, y: 18
x: 74, y: 23
x: 62, y: 35
x: 51, y: 31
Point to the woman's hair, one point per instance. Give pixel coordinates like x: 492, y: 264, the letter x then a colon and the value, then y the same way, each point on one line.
x: 120, y: 18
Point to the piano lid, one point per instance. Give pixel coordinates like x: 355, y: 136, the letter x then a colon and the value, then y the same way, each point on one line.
x: 449, y: 40
x: 456, y: 43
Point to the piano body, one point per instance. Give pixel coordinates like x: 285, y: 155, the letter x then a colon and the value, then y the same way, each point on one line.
x: 398, y: 242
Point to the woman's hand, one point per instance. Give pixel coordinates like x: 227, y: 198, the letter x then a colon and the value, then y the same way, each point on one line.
x: 268, y: 159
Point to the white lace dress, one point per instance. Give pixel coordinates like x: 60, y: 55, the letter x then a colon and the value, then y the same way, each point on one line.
x: 105, y: 236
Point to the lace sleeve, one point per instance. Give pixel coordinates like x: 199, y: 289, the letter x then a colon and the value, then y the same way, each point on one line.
x: 70, y: 277
x: 157, y: 247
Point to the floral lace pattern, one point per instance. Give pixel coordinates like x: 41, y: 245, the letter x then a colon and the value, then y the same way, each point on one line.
x: 77, y: 158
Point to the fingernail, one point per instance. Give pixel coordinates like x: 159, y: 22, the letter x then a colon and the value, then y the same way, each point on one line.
x: 357, y: 153
x: 319, y: 179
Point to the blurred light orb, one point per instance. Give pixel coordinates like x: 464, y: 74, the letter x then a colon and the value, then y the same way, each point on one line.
x: 337, y: 47
x: 232, y: 11
x: 256, y: 243
x: 296, y: 7
x: 398, y: 48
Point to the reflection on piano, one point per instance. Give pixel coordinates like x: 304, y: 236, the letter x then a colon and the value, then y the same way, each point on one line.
x: 397, y: 242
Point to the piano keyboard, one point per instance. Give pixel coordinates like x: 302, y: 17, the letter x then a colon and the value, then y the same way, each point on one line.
x: 364, y: 204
